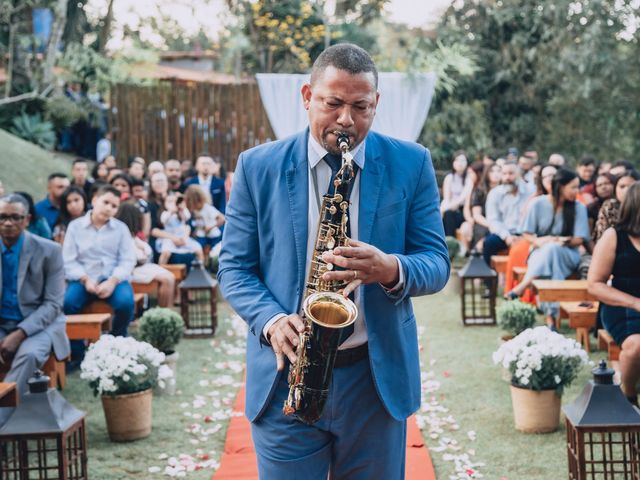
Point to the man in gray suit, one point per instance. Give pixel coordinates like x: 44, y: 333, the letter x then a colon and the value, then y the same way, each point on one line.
x: 31, y: 296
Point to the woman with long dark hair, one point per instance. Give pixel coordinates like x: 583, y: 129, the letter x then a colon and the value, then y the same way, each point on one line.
x: 555, y: 226
x: 456, y: 187
x: 73, y: 204
x: 610, y: 209
x: 618, y: 254
x: 489, y: 179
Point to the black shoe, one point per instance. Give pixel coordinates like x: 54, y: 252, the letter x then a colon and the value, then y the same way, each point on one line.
x: 511, y: 295
x: 552, y: 327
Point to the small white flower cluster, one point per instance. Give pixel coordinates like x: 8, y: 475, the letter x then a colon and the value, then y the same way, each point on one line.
x: 112, y: 361
x: 535, y: 349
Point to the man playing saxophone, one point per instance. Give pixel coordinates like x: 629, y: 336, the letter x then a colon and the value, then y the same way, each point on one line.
x: 396, y: 250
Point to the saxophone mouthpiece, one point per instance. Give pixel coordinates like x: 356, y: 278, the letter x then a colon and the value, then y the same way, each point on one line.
x: 343, y: 141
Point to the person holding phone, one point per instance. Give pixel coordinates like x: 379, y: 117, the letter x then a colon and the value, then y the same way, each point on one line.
x: 555, y: 226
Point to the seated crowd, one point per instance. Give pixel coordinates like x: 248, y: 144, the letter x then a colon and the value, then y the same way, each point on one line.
x: 93, y: 239
x: 557, y: 222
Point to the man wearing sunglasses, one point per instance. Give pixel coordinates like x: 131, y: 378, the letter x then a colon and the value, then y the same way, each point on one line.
x: 31, y: 296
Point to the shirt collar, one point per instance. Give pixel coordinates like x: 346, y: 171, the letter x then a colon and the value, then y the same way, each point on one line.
x: 85, y: 221
x: 316, y: 152
x: 16, y: 247
x: 202, y: 180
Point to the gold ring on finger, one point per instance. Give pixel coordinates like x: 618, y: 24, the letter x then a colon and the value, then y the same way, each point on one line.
x: 355, y: 274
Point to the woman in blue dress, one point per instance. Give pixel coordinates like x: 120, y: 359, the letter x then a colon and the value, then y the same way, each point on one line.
x: 555, y: 226
x: 617, y: 253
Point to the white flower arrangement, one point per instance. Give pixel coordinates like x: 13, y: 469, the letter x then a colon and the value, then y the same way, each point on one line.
x: 121, y: 365
x: 539, y: 359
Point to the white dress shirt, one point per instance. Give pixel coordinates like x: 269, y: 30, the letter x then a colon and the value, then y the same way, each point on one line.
x: 99, y: 253
x: 316, y: 153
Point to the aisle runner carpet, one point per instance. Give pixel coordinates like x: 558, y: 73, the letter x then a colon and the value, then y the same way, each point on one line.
x: 238, y: 461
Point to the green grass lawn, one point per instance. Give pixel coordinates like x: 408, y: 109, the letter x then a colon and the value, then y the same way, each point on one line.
x: 478, y: 400
x: 471, y: 406
x: 25, y: 166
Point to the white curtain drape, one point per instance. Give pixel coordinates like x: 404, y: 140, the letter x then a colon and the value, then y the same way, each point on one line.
x: 404, y: 102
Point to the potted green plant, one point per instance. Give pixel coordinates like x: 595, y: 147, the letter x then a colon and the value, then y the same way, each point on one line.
x: 515, y: 317
x: 124, y: 371
x: 541, y: 363
x: 453, y: 246
x: 163, y: 328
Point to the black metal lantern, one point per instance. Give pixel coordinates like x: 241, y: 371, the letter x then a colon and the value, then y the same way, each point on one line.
x: 603, y: 431
x: 198, y: 297
x: 44, y: 437
x: 479, y: 284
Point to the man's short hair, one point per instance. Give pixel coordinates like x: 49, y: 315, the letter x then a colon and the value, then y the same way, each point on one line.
x: 510, y: 163
x: 586, y: 161
x: 135, y: 182
x: 16, y: 198
x: 104, y: 189
x: 55, y: 175
x: 347, y: 57
x: 79, y: 160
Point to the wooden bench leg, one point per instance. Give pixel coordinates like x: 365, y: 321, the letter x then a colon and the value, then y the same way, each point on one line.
x: 582, y: 336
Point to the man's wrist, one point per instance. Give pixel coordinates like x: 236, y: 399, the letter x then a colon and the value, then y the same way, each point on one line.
x: 394, y: 276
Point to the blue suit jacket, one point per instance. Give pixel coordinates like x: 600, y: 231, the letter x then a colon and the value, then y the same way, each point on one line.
x: 262, y: 263
x: 216, y: 190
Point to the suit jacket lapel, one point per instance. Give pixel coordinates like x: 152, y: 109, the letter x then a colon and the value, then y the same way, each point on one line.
x: 25, y: 258
x: 370, y: 185
x: 297, y: 176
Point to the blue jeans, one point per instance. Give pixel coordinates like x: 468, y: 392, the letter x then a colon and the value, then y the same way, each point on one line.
x: 492, y: 245
x: 121, y: 300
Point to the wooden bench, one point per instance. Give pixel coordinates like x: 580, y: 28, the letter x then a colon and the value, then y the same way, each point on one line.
x: 8, y: 395
x: 179, y: 270
x: 53, y: 368
x: 562, y: 291
x: 499, y: 263
x: 101, y: 306
x: 606, y: 342
x: 88, y: 326
x: 146, y: 288
x: 582, y: 317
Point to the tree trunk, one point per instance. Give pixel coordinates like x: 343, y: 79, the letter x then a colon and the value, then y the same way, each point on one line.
x: 12, y: 39
x: 60, y: 18
x: 103, y: 36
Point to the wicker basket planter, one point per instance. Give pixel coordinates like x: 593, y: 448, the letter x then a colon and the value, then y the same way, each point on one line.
x: 128, y: 416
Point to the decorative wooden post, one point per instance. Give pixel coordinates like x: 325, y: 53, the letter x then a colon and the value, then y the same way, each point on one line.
x: 198, y: 297
x: 479, y: 284
x: 44, y: 437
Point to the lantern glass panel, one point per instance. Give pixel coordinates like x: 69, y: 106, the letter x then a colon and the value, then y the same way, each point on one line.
x: 199, y: 311
x: 44, y: 457
x: 607, y: 454
x: 479, y: 301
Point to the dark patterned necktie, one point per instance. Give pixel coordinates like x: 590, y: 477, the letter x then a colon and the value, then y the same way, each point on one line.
x: 335, y: 163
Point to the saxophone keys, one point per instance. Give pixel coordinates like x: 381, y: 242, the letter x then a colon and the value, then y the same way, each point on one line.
x: 344, y: 206
x: 333, y: 209
x: 329, y: 266
x: 331, y: 242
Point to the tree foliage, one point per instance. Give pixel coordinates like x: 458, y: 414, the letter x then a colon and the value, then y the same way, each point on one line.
x: 554, y: 75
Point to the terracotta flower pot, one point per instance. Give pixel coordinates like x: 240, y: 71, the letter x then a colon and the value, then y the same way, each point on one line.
x: 535, y: 411
x: 128, y: 416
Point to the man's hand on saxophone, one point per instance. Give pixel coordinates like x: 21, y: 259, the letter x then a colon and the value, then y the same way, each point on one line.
x: 363, y: 264
x: 284, y: 338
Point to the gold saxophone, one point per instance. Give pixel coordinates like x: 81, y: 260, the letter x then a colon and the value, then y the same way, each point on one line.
x: 325, y: 311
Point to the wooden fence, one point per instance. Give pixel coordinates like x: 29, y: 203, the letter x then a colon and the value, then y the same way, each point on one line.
x: 181, y: 120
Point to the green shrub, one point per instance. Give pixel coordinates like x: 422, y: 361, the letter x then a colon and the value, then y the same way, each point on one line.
x: 63, y: 112
x: 515, y: 316
x: 453, y: 246
x: 162, y: 328
x: 34, y: 129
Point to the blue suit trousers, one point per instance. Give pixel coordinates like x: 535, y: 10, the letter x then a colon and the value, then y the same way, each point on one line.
x: 356, y: 438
